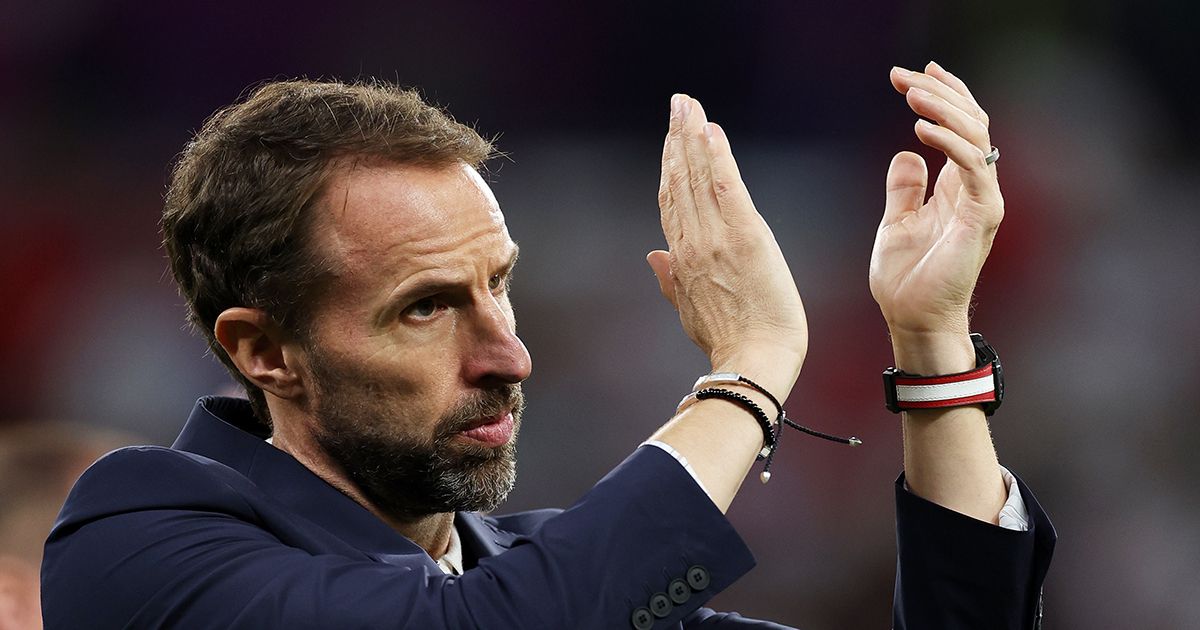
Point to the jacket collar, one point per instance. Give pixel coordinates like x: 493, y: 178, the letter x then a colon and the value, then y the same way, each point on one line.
x: 225, y: 430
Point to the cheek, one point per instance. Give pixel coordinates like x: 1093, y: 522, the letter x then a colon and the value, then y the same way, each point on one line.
x: 422, y: 388
x: 412, y: 375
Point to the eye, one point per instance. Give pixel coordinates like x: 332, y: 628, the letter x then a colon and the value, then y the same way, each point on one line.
x: 425, y: 308
x: 499, y: 281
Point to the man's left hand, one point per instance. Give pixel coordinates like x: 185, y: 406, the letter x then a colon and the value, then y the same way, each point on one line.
x: 928, y: 254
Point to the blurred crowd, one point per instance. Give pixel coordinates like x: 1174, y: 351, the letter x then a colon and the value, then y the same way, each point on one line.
x: 1088, y: 295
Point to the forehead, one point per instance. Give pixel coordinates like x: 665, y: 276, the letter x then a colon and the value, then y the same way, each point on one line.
x: 402, y: 218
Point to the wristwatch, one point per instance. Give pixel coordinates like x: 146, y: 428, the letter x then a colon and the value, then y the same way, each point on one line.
x: 982, y: 386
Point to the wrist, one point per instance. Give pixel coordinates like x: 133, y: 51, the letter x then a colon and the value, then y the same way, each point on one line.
x: 933, y: 353
x: 774, y: 369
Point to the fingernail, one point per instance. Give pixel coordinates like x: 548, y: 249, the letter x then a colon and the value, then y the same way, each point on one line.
x: 904, y: 72
x: 687, y: 107
x: 675, y: 104
x: 919, y: 92
x: 934, y: 65
x: 708, y: 131
x: 924, y: 123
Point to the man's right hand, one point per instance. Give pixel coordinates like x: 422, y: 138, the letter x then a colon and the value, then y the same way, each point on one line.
x: 724, y: 271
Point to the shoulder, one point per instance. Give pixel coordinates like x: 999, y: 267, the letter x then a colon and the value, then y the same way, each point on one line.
x: 148, y: 477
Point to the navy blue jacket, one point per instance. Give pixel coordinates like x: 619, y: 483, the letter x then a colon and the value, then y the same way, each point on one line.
x: 225, y: 531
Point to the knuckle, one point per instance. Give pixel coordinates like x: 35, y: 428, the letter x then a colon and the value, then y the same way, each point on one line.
x: 722, y: 187
x: 676, y: 181
x: 687, y: 253
x: 740, y: 244
x: 977, y: 161
x: 979, y: 132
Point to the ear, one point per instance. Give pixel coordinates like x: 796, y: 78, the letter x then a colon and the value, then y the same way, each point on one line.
x: 260, y: 350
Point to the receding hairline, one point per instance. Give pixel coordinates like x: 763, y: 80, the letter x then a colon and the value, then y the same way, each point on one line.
x: 333, y: 198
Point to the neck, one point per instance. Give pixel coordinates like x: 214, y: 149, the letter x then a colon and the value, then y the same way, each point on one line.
x: 431, y: 532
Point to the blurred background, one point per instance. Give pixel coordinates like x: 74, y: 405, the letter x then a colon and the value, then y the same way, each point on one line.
x: 1088, y: 296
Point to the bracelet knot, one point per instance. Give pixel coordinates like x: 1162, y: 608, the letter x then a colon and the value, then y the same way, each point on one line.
x: 703, y: 390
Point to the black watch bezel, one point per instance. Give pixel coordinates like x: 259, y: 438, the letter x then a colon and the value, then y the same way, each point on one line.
x: 985, y: 354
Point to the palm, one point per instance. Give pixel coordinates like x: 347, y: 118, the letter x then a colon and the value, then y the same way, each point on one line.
x: 928, y: 253
x: 924, y: 265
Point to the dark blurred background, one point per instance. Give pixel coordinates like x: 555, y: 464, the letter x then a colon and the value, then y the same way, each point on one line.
x: 1089, y: 294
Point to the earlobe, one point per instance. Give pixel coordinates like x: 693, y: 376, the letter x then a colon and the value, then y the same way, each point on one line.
x: 258, y: 347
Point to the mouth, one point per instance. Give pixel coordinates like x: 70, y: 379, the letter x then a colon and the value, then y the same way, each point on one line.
x: 491, y: 431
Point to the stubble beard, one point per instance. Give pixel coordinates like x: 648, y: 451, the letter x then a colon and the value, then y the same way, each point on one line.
x: 408, y: 476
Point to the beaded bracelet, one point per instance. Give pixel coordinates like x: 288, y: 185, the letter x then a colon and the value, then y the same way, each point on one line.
x: 771, y: 434
x: 763, y: 421
x: 733, y: 378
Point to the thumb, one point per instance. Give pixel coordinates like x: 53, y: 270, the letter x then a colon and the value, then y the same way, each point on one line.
x: 906, y: 180
x: 660, y: 262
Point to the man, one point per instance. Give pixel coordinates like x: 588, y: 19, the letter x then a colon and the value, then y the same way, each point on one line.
x: 338, y: 248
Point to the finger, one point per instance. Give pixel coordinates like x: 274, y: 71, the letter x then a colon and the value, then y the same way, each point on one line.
x: 679, y: 186
x: 940, y: 110
x: 907, y: 178
x: 904, y: 79
x: 708, y: 213
x: 977, y: 178
x: 660, y: 262
x: 666, y: 204
x: 947, y: 189
x: 730, y: 191
x: 955, y: 83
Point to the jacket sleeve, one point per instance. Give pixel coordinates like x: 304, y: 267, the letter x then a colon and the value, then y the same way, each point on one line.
x: 958, y: 572
x: 188, y: 553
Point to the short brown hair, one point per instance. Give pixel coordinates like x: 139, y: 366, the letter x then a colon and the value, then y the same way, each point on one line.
x: 238, y: 207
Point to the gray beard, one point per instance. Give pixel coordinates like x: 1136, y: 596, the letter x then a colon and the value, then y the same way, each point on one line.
x: 407, y: 477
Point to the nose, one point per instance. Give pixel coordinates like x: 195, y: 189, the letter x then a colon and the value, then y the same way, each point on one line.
x: 496, y: 355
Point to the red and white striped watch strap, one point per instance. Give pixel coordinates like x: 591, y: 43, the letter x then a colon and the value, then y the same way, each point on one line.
x: 955, y: 390
x: 982, y: 386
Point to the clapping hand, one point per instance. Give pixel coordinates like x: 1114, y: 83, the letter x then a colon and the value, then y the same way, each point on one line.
x: 724, y: 272
x: 928, y: 253
x: 926, y: 260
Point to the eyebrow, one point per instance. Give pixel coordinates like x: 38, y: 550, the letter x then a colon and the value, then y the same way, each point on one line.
x: 512, y: 260
x: 433, y: 286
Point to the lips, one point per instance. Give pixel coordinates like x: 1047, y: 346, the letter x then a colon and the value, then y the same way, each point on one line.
x: 491, y: 431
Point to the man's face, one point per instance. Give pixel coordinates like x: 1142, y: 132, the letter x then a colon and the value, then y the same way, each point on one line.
x: 414, y: 364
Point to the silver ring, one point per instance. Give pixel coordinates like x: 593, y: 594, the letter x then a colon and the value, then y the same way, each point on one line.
x: 992, y: 156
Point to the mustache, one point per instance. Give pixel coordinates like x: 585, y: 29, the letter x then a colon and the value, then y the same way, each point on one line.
x: 485, y: 404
